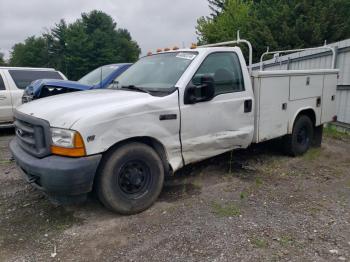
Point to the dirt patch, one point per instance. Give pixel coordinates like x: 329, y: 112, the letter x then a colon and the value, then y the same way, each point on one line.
x: 249, y: 205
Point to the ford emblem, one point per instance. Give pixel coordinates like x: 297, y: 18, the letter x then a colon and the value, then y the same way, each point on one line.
x: 20, y: 132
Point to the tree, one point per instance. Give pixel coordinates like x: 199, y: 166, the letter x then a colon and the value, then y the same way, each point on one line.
x: 77, y: 48
x: 279, y: 24
x: 2, y: 60
x: 90, y: 42
x: 236, y: 15
x: 33, y: 52
x: 216, y: 6
x: 56, y: 39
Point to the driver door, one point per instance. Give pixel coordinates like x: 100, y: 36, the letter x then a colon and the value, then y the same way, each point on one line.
x: 227, y: 121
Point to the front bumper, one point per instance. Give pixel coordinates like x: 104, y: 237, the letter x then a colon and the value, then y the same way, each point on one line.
x: 57, y: 175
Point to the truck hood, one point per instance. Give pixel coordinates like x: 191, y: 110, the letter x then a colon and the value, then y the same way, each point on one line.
x: 36, y: 87
x: 65, y: 110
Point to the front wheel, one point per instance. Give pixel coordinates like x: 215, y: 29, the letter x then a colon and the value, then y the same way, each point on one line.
x: 130, y: 179
x: 300, y: 140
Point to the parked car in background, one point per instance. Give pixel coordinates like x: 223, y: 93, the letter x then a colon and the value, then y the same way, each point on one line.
x: 13, y: 80
x: 99, y: 78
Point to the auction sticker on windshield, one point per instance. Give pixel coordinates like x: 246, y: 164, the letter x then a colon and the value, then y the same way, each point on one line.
x: 188, y: 56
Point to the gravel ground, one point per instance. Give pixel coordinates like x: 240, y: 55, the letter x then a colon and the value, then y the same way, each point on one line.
x: 249, y: 205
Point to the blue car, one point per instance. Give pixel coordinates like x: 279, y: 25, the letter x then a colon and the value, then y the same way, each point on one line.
x: 101, y: 77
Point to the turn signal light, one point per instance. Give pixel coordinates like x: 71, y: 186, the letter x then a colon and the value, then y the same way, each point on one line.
x: 77, y: 151
x: 193, y: 46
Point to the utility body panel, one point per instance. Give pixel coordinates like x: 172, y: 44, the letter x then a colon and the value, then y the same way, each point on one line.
x: 281, y: 95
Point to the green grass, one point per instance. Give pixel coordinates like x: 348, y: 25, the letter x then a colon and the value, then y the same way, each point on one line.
x: 259, y: 243
x: 287, y: 240
x: 227, y: 210
x: 243, y: 195
x: 5, y: 162
x: 258, y: 181
x: 333, y: 132
x: 312, y: 154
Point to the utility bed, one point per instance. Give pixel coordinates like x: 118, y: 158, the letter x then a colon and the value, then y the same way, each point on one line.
x: 281, y: 94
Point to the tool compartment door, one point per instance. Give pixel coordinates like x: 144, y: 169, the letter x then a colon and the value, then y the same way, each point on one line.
x: 305, y: 86
x: 328, y: 103
x: 273, y: 102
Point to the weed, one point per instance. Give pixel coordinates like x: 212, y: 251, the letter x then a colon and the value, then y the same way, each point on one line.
x: 5, y: 162
x: 243, y: 195
x: 259, y: 243
x: 230, y: 162
x: 228, y: 210
x: 258, y: 181
x: 348, y: 184
x: 332, y: 132
x: 287, y: 240
x: 312, y: 154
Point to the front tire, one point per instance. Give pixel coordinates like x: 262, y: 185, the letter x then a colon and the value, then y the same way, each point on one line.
x: 301, y: 139
x: 130, y: 179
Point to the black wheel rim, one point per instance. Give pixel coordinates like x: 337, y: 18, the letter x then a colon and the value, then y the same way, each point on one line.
x: 134, y: 179
x: 302, y: 136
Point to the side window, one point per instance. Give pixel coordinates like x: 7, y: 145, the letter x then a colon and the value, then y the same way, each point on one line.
x: 225, y: 69
x: 2, y: 85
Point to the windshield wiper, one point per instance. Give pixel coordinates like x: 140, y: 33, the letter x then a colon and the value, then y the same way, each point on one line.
x: 136, y: 88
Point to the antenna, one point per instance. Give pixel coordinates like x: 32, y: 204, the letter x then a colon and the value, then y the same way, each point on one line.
x: 101, y: 78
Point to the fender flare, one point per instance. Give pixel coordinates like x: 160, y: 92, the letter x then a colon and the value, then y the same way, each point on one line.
x: 297, y: 113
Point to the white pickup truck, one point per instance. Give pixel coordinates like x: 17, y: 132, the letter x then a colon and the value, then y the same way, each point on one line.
x: 13, y: 81
x: 168, y: 110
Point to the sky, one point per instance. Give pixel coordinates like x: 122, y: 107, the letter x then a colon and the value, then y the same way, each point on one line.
x: 152, y: 23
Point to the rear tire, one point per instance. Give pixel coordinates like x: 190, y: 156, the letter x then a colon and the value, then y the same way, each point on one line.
x: 130, y: 179
x: 300, y: 140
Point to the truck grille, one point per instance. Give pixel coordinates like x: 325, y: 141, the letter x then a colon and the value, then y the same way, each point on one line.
x: 33, y: 134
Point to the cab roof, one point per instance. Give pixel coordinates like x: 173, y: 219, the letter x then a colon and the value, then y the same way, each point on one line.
x: 27, y: 68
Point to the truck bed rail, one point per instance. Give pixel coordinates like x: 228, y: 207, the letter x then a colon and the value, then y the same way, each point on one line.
x: 277, y: 54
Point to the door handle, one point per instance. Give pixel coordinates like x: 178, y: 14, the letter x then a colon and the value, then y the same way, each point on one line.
x: 3, y: 97
x: 248, y: 105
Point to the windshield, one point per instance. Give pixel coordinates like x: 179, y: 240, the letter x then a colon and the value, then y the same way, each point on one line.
x: 157, y: 72
x: 98, y: 75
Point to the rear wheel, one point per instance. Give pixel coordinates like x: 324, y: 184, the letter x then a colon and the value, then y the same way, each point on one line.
x: 300, y: 140
x: 130, y: 179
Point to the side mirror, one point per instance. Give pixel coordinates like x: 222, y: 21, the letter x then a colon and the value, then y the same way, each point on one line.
x: 204, y: 92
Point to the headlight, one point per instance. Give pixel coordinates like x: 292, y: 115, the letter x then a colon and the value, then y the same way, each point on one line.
x: 67, y: 142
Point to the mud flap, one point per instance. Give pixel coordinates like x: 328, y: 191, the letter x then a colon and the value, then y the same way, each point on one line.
x: 318, y: 134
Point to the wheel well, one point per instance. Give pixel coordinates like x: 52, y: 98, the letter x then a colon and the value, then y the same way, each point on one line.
x: 310, y: 113
x: 152, y: 142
